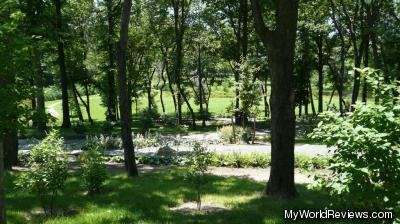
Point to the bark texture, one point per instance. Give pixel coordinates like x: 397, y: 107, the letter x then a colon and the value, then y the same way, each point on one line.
x: 61, y: 63
x: 280, y: 45
x: 124, y: 99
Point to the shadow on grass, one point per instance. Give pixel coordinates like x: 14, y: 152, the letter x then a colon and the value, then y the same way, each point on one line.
x: 147, y: 199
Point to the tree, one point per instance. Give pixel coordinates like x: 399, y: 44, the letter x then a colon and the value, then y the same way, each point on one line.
x: 125, y: 102
x: 280, y: 45
x: 233, y: 21
x: 35, y: 28
x: 111, y: 98
x: 181, y: 9
x: 13, y: 85
x: 66, y: 123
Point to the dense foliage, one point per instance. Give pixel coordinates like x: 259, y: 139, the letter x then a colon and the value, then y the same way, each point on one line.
x: 93, y: 169
x: 47, y: 171
x: 365, y: 164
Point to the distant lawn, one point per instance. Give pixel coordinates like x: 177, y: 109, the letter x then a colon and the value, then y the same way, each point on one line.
x: 217, y: 106
x: 147, y: 200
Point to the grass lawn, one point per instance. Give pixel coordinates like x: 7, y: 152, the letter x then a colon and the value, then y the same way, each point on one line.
x: 148, y: 199
x: 217, y: 106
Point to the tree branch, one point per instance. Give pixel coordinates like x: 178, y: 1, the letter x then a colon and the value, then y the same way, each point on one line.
x: 261, y: 29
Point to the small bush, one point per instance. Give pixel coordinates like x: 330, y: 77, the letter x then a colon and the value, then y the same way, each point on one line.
x: 227, y: 135
x: 158, y: 160
x: 93, y: 169
x: 48, y: 171
x: 107, y: 128
x: 146, y: 119
x: 146, y: 140
x: 79, y: 128
x: 102, y: 141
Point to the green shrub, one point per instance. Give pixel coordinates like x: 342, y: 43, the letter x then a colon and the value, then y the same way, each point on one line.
x: 235, y: 160
x: 240, y: 160
x: 146, y: 140
x: 107, y: 128
x: 116, y: 159
x: 158, y: 160
x: 366, y: 162
x: 146, y: 119
x: 260, y: 159
x: 197, y: 166
x: 227, y: 135
x: 47, y: 171
x: 102, y: 141
x: 93, y: 169
x: 79, y: 128
x: 311, y: 163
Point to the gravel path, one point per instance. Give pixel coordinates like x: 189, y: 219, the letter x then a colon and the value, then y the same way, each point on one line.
x: 310, y: 150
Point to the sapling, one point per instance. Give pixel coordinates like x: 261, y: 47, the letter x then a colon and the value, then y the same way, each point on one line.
x: 197, y: 166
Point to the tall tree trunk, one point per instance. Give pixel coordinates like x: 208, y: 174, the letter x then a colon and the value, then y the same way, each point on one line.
x: 264, y: 89
x: 340, y: 79
x: 245, y: 32
x: 149, y: 103
x: 41, y: 109
x: 311, y: 98
x: 33, y: 102
x: 376, y: 58
x: 85, y: 104
x: 33, y: 99
x: 40, y: 101
x: 76, y: 102
x: 178, y: 28
x: 149, y: 88
x: 10, y: 142
x: 111, y: 93
x: 320, y: 73
x: 2, y: 184
x: 201, y: 90
x: 173, y: 94
x: 357, y: 50
x: 280, y: 46
x: 306, y: 106
x: 162, y: 88
x: 66, y: 123
x: 183, y: 95
x: 180, y: 16
x: 124, y: 98
x: 356, y: 84
x: 89, y: 114
x: 366, y: 60
x: 300, y: 110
